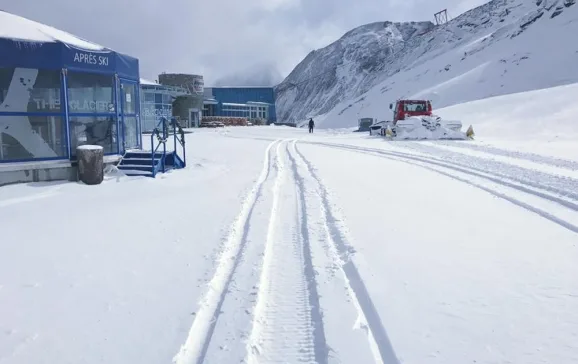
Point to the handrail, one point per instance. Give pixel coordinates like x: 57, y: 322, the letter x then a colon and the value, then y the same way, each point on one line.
x: 162, y: 139
x: 161, y: 131
x: 177, y: 127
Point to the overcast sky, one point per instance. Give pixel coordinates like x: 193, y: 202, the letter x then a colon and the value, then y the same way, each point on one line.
x: 227, y: 41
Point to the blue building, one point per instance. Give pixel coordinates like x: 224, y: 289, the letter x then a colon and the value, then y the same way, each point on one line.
x: 249, y: 102
x: 58, y: 92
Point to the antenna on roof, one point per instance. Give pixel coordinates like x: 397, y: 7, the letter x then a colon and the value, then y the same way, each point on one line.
x: 441, y: 17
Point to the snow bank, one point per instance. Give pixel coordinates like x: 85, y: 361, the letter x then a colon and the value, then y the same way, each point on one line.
x: 21, y: 29
x: 547, y: 115
x: 144, y: 81
x: 89, y: 147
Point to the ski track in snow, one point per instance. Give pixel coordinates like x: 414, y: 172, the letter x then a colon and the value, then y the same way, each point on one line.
x: 286, y: 327
x: 287, y: 323
x: 200, y: 334
x: 434, y: 165
x: 378, y: 335
x: 321, y: 347
x: 346, y: 325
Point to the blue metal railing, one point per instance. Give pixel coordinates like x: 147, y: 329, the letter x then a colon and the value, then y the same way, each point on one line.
x: 161, y: 131
x: 180, y: 138
x: 161, y: 135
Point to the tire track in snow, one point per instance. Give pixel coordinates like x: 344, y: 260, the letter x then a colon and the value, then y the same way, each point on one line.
x: 467, y: 170
x: 195, y: 347
x: 561, y: 185
x: 287, y: 324
x: 424, y: 162
x: 536, y: 158
x: 379, y: 340
x: 528, y: 181
x: 321, y: 348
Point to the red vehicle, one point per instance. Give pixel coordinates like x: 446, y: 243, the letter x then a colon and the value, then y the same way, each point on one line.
x: 405, y: 108
x: 414, y: 119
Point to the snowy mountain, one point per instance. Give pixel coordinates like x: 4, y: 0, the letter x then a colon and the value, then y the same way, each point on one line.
x: 345, y: 68
x: 502, y: 47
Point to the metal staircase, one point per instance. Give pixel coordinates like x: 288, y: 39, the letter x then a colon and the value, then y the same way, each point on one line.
x: 158, y: 160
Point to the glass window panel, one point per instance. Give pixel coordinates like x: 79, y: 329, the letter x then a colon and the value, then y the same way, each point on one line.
x: 29, y: 90
x: 95, y: 131
x: 130, y: 132
x: 90, y: 93
x: 149, y: 96
x: 32, y: 137
x: 129, y: 98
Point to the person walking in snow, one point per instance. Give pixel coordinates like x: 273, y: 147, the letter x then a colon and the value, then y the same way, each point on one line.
x: 311, y: 125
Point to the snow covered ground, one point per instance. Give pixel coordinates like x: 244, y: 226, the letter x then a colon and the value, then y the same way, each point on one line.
x: 275, y: 245
x: 112, y: 274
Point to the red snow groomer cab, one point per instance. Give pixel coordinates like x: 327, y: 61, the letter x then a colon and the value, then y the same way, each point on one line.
x: 414, y: 119
x: 405, y: 108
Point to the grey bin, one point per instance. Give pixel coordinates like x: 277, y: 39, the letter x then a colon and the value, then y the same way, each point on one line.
x: 90, y: 164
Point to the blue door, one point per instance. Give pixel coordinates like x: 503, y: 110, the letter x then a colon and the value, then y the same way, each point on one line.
x: 129, y: 120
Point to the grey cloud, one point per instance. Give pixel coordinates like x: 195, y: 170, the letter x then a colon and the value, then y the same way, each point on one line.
x: 262, y: 74
x: 225, y: 40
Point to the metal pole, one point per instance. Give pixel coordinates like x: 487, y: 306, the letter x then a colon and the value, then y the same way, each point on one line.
x: 153, y: 154
x: 174, y: 122
x: 165, y: 136
x: 64, y: 97
x: 117, y: 109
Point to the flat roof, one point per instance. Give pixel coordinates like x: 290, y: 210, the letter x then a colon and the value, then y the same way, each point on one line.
x: 239, y: 86
x: 233, y: 104
x: 144, y: 81
x: 250, y: 103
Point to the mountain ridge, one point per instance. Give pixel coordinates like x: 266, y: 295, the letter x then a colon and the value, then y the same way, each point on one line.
x: 479, y: 46
x: 321, y: 70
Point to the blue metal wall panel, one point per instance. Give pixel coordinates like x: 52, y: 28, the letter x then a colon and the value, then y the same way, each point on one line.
x: 60, y: 55
x: 242, y: 95
x: 30, y: 54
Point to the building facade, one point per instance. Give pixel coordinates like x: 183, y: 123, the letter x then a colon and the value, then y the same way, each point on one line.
x: 249, y: 102
x: 57, y: 94
x: 156, y: 102
x: 187, y: 107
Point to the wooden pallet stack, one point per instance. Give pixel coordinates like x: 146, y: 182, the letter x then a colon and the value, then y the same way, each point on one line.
x: 227, y: 120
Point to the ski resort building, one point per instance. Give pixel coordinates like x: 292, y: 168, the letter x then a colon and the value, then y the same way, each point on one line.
x: 187, y: 106
x: 157, y: 101
x: 57, y: 92
x: 248, y: 102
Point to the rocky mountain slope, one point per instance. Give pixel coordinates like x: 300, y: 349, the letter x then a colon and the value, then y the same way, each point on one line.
x: 501, y: 47
x: 345, y: 68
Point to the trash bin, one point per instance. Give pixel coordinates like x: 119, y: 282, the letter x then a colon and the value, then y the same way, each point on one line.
x: 90, y: 164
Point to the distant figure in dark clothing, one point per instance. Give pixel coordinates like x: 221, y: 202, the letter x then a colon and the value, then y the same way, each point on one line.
x: 311, y: 125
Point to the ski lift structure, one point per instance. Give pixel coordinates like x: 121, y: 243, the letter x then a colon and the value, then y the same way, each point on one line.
x: 441, y: 17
